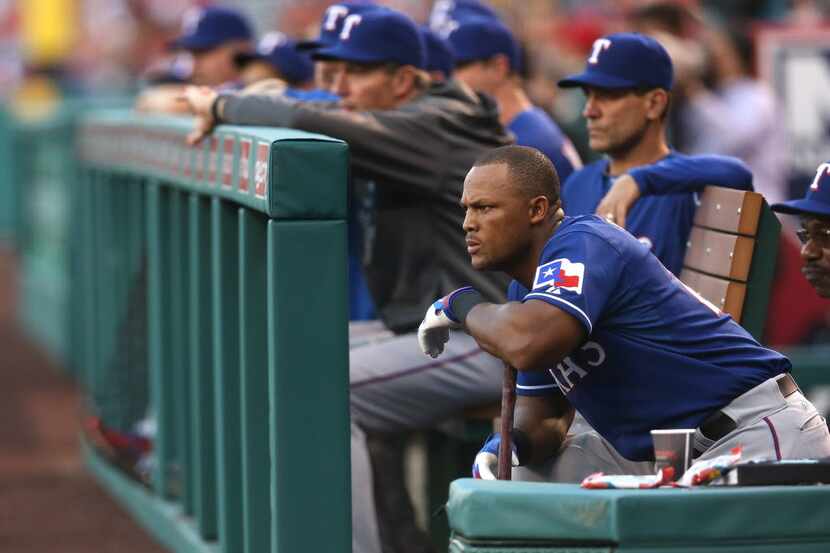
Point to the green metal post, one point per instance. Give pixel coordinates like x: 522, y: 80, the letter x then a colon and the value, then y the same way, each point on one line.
x: 225, y: 266
x: 253, y: 369
x: 203, y: 414
x: 308, y: 374
x: 180, y: 240
x: 160, y: 326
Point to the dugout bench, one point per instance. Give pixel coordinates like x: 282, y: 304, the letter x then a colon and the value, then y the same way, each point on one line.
x: 730, y: 262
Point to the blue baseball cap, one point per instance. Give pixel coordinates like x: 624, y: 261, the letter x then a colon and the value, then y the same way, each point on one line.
x: 817, y: 200
x: 281, y: 52
x: 377, y: 36
x: 439, y: 52
x: 332, y: 23
x: 625, y: 60
x: 481, y: 38
x: 206, y: 28
x: 447, y: 15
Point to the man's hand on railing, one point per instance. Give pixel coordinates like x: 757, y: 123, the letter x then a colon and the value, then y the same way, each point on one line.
x: 619, y: 199
x: 200, y: 100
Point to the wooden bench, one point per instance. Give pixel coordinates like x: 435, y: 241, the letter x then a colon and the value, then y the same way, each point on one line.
x: 731, y: 252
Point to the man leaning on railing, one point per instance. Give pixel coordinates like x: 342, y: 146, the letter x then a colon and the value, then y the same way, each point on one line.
x: 414, y: 140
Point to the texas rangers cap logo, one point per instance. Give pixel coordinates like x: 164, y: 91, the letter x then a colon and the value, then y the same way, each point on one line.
x: 560, y: 274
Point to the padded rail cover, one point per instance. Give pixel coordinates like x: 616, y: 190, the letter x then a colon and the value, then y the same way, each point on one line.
x: 533, y: 513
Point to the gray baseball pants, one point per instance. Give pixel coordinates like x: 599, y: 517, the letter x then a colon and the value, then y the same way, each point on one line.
x: 395, y: 387
x: 768, y: 426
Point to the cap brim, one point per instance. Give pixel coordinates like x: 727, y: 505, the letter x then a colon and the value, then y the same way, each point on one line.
x: 192, y: 42
x: 244, y: 58
x: 802, y: 207
x: 309, y: 45
x: 339, y: 53
x: 596, y: 80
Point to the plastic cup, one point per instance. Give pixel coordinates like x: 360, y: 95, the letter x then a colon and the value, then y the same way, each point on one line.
x: 673, y: 447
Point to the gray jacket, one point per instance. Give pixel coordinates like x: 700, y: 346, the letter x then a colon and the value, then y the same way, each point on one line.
x: 418, y: 156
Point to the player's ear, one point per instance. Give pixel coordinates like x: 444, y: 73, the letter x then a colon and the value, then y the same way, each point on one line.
x: 501, y: 64
x: 403, y: 81
x: 658, y: 100
x: 538, y: 209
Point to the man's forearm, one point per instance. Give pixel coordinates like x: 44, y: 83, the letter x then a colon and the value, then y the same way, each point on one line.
x: 672, y: 176
x: 493, y: 326
x: 545, y: 423
x: 265, y: 110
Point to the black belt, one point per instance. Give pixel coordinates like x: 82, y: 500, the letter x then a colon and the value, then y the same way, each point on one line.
x: 719, y: 424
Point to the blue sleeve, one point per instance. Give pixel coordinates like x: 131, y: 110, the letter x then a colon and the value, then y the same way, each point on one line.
x: 316, y: 95
x: 531, y: 383
x: 579, y: 273
x: 675, y: 174
x: 514, y: 291
x: 536, y: 383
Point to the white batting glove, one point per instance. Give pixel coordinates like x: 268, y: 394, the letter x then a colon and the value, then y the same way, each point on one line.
x: 434, y: 331
x: 486, y: 463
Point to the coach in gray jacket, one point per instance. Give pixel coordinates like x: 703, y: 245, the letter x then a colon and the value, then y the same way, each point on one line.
x: 416, y: 141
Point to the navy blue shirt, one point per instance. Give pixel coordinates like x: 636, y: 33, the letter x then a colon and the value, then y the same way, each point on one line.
x: 662, y: 218
x: 534, y: 128
x: 657, y: 355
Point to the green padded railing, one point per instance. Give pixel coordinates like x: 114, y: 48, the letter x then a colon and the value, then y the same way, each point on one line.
x: 230, y: 258
x: 39, y: 171
x: 512, y: 517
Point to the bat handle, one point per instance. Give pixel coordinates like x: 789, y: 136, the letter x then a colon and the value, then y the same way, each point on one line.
x: 508, y: 402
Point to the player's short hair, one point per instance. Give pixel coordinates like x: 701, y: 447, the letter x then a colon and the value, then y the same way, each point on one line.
x: 530, y: 170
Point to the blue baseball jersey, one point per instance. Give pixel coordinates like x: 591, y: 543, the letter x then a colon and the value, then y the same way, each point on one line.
x: 314, y: 95
x: 656, y: 354
x: 534, y: 128
x: 663, y: 221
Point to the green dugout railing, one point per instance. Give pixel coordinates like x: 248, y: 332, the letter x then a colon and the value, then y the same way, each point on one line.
x: 39, y: 170
x: 230, y: 258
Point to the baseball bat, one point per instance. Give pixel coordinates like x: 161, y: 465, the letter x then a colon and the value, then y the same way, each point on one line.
x: 508, y: 402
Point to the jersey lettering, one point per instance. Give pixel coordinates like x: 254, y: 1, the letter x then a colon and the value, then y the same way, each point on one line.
x: 598, y: 349
x: 568, y: 367
x: 333, y: 15
x: 600, y: 44
x: 349, y: 24
x: 823, y: 169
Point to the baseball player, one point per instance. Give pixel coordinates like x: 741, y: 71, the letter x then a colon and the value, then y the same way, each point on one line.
x: 331, y: 26
x: 277, y: 57
x: 627, y: 82
x: 814, y: 234
x: 594, y: 322
x: 487, y: 60
x: 440, y: 57
x: 211, y: 37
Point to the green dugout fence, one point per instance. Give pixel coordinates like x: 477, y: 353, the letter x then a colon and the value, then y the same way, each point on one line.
x: 206, y: 292
x: 204, y: 289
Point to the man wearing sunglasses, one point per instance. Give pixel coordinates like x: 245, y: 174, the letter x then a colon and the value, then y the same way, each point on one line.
x: 814, y: 234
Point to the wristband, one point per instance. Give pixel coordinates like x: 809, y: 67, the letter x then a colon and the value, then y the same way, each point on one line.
x: 462, y: 301
x: 214, y: 108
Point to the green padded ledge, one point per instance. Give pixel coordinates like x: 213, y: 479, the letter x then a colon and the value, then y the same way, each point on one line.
x: 565, y: 513
x: 286, y: 174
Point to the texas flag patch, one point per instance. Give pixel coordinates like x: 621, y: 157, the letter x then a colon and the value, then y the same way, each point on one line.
x: 558, y: 274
